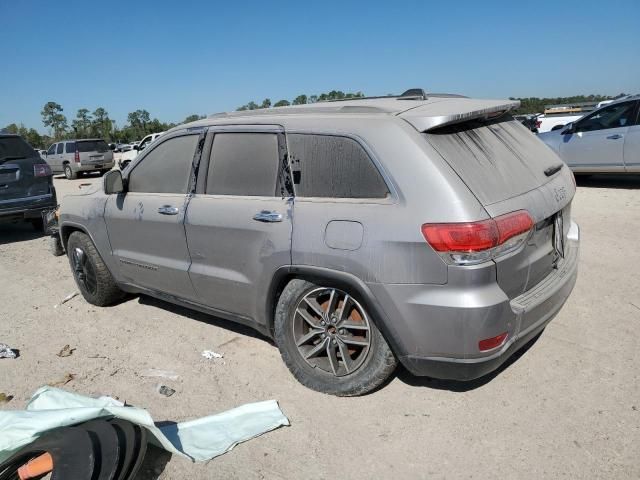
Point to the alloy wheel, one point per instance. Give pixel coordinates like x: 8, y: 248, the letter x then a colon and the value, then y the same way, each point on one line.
x: 83, y: 271
x: 331, y: 331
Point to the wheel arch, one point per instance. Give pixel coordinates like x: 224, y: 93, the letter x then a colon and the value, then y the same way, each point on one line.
x: 327, y: 277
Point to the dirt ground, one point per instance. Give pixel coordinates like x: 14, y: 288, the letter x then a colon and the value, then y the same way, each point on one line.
x: 569, y: 407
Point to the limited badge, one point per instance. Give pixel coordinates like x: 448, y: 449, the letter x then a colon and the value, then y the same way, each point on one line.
x: 558, y: 234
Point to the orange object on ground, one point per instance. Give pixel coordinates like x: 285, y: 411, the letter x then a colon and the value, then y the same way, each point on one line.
x: 36, y: 467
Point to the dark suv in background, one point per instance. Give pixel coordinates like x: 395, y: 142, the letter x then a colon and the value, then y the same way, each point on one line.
x: 26, y: 183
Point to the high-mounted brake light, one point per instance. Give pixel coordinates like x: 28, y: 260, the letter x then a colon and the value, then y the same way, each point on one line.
x: 76, y: 157
x: 475, y: 242
x: 41, y: 170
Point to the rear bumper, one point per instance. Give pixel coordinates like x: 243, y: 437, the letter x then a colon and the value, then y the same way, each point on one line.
x: 27, y: 207
x: 450, y: 325
x: 89, y: 167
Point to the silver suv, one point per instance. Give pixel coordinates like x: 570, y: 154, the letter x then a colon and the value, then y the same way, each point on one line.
x: 431, y: 230
x: 72, y: 157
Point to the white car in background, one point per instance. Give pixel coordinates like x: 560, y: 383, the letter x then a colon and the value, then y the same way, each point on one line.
x: 126, y: 157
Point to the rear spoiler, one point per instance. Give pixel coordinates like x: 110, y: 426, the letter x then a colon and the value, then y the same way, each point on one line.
x: 456, y: 110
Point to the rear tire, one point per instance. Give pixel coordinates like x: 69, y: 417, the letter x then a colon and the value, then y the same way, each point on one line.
x: 69, y: 173
x: 331, y: 334
x: 55, y: 246
x: 90, y: 273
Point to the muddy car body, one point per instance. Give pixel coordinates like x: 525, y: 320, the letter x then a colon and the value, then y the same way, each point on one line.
x: 431, y: 230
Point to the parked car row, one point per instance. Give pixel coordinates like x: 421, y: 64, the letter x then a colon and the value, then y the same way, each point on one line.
x: 73, y: 157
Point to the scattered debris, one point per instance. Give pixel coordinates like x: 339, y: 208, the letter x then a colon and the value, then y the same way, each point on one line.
x: 97, y: 356
x: 25, y: 434
x: 166, y: 391
x: 152, y: 372
x: 210, y: 354
x: 66, y: 351
x: 4, y: 398
x: 6, y: 352
x: 66, y: 299
x: 67, y: 378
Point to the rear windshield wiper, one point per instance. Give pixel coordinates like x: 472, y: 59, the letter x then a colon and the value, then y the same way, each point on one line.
x: 555, y: 169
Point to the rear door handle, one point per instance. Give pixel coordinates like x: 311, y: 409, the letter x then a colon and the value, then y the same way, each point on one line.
x: 168, y: 210
x: 614, y: 137
x: 268, y: 216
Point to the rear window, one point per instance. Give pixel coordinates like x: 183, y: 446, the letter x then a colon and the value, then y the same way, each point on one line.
x: 498, y: 159
x: 92, y: 146
x: 14, y: 147
x: 333, y: 167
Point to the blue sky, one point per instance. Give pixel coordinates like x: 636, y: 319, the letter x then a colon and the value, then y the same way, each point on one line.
x: 177, y: 58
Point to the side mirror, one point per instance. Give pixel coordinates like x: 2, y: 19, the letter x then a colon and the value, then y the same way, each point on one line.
x: 136, y: 147
x: 569, y: 128
x: 112, y: 182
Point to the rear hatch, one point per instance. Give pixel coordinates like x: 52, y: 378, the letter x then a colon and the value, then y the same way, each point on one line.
x: 94, y: 152
x: 507, y: 168
x: 17, y: 171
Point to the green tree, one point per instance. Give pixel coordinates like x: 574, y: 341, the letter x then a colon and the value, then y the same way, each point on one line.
x: 82, y: 124
x: 11, y: 128
x: 266, y: 103
x: 300, y: 100
x: 102, y: 125
x: 138, y: 121
x: 282, y: 103
x: 53, y: 118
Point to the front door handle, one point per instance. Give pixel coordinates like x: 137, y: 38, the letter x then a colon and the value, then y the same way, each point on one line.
x: 268, y: 216
x: 168, y: 210
x: 614, y: 137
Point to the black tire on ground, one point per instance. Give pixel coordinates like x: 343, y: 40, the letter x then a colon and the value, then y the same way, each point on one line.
x: 102, y: 290
x: 55, y: 246
x: 378, y: 364
x: 69, y: 173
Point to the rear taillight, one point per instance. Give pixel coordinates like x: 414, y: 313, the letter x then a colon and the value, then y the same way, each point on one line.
x: 41, y: 170
x: 538, y: 123
x: 475, y: 242
x: 76, y: 157
x: 493, y: 342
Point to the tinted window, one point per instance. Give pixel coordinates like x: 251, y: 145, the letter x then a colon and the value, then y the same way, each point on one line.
x: 330, y: 166
x: 243, y: 164
x: 15, y: 147
x: 614, y: 116
x: 52, y: 149
x: 166, y: 168
x: 71, y: 147
x: 93, y: 146
x: 60, y: 147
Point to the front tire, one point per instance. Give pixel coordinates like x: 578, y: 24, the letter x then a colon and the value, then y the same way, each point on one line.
x: 329, y: 342
x: 69, y: 173
x: 90, y: 273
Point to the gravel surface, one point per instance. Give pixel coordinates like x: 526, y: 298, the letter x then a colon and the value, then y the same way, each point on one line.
x: 568, y: 407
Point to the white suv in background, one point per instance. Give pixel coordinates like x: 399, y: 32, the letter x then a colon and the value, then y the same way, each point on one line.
x: 126, y: 157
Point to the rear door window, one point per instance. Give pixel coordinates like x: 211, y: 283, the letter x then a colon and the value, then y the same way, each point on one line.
x: 71, y: 147
x: 60, y: 148
x: 243, y: 164
x: 166, y: 168
x: 334, y: 167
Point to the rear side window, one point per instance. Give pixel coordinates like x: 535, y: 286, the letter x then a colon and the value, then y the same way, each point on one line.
x: 60, y: 148
x: 14, y: 147
x: 243, y: 164
x: 166, y: 169
x: 70, y: 148
x: 332, y: 166
x: 93, y: 146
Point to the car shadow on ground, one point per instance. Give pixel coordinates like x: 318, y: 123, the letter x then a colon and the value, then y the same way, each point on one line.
x: 154, y: 463
x: 628, y: 182
x: 204, y: 317
x: 459, y: 386
x: 18, y: 232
